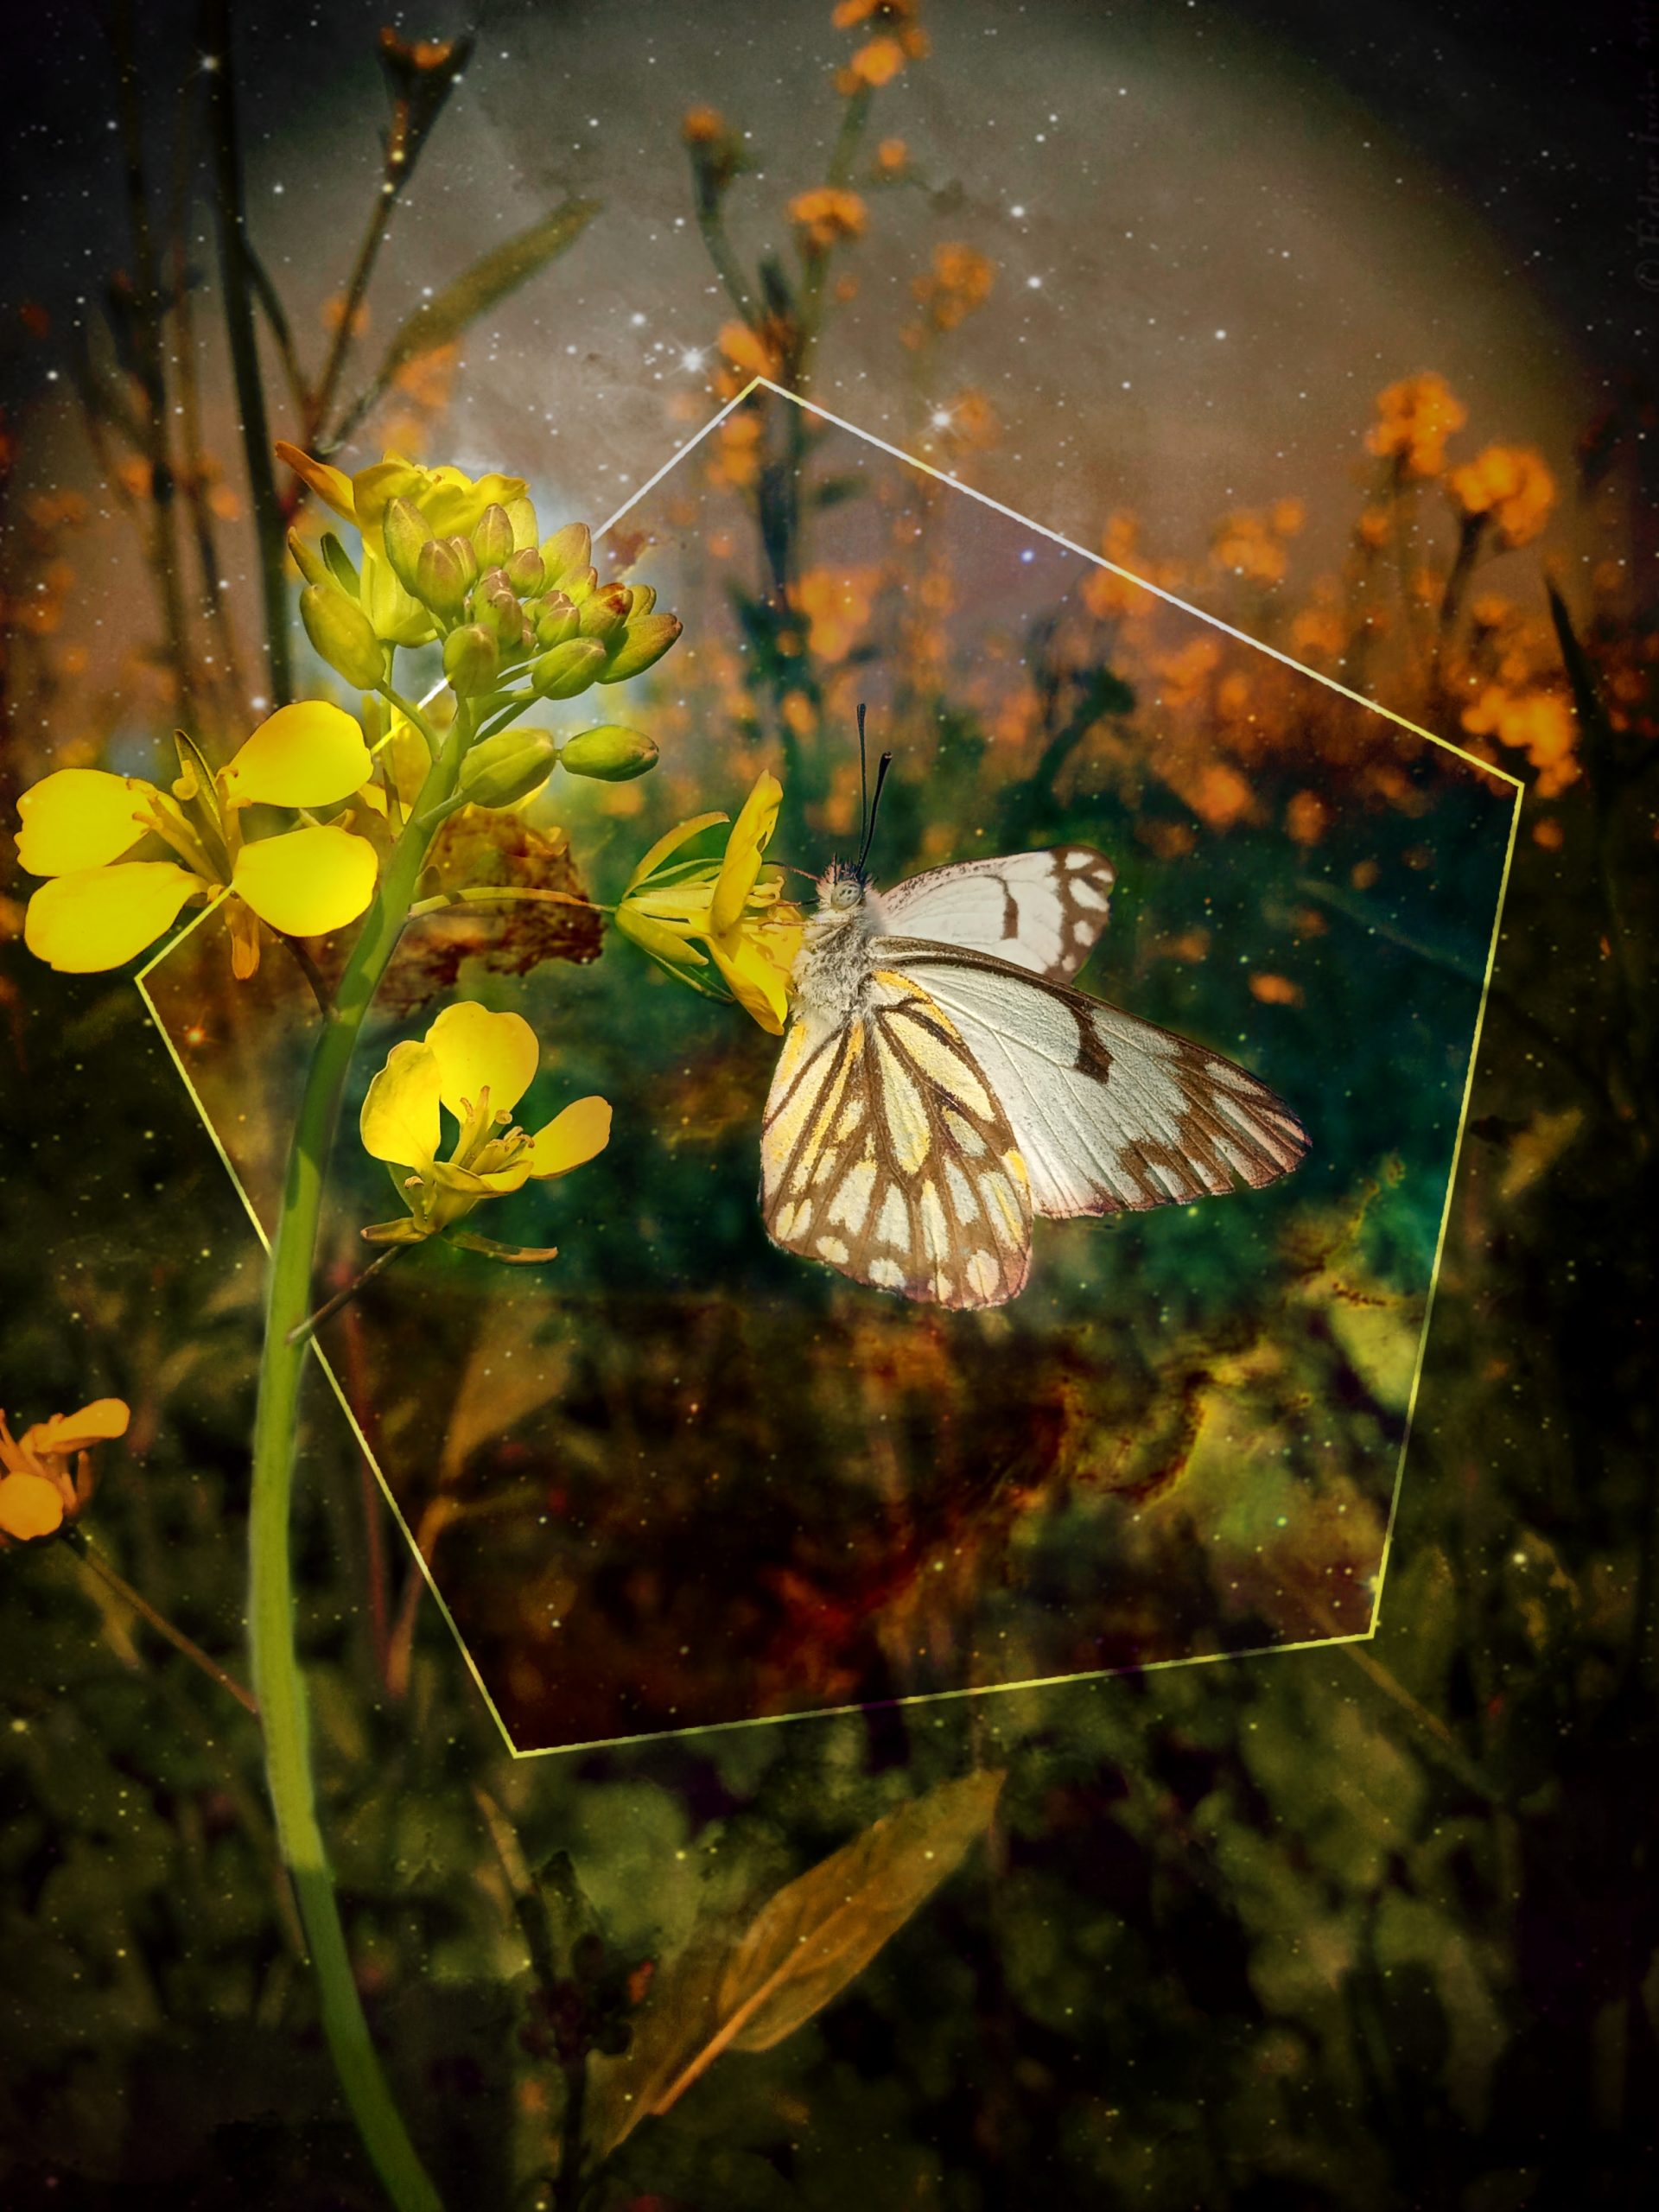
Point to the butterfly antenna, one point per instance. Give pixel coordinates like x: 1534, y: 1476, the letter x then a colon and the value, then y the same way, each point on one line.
x: 882, y: 766
x: 863, y: 780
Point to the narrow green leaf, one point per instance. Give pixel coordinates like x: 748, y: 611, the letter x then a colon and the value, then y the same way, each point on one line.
x: 489, y: 280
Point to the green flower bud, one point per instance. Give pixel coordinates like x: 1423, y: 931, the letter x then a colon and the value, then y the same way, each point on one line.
x: 406, y: 533
x: 494, y: 606
x: 603, y: 615
x: 611, y: 753
x: 578, y: 583
x: 639, y: 644
x: 343, y: 635
x: 508, y: 767
x: 309, y: 562
x: 472, y: 660
x: 567, y: 669
x: 527, y: 572
x: 440, y: 579
x: 493, y: 537
x: 567, y: 550
x: 555, y: 620
x: 340, y: 566
x: 522, y: 516
x: 641, y: 599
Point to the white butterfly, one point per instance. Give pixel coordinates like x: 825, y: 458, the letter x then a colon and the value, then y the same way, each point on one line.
x: 940, y: 1085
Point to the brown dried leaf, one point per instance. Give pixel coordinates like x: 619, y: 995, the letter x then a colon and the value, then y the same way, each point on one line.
x: 482, y: 845
x: 801, y: 1951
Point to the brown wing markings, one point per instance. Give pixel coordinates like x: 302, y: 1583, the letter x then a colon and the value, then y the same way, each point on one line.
x: 1080, y: 924
x: 1232, y: 1129
x: 780, y: 1100
x: 904, y: 1232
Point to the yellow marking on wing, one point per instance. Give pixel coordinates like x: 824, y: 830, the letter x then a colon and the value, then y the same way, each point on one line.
x: 948, y: 1068
x: 905, y: 1114
x: 851, y: 1203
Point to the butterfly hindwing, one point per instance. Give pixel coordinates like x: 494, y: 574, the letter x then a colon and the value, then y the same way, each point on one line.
x: 1041, y: 912
x: 1110, y: 1114
x: 885, y: 1153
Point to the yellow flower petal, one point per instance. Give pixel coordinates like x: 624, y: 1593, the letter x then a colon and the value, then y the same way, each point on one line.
x: 374, y: 488
x: 30, y: 1506
x: 756, y: 982
x: 475, y: 1047
x: 307, y: 881
x: 741, y: 865
x: 309, y: 754
x: 100, y: 916
x: 79, y: 817
x: 332, y: 485
x: 65, y: 1433
x: 657, y: 938
x: 453, y: 504
x: 399, y: 1121
x: 670, y: 842
x: 494, y: 1183
x: 394, y: 614
x: 577, y: 1135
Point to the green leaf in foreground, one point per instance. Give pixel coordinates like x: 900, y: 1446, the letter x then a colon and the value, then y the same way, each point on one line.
x: 801, y: 1951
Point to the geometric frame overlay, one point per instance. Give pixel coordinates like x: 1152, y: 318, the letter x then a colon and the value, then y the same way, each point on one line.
x: 1498, y: 776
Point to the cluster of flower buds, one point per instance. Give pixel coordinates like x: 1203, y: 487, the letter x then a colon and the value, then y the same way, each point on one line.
x: 505, y: 605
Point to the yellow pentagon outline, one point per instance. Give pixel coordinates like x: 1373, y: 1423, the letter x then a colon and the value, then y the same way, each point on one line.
x: 1048, y: 1681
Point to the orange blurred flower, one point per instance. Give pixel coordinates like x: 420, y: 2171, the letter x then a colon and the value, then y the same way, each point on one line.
x: 826, y: 216
x: 1305, y: 818
x: 892, y: 158
x: 1510, y: 484
x: 1414, y: 419
x: 1538, y: 723
x: 1274, y: 990
x: 959, y: 281
x: 837, y: 604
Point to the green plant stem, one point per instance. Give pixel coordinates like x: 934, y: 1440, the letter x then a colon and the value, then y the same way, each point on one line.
x: 244, y: 342
x: 277, y: 1681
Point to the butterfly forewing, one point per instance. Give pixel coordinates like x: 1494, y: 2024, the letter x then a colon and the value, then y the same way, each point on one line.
x: 885, y: 1152
x: 1110, y: 1114
x: 1041, y: 912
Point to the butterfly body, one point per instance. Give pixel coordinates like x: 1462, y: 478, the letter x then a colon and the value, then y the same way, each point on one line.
x: 940, y: 1085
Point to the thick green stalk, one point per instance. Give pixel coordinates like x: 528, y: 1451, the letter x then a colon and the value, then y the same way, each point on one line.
x: 277, y: 1681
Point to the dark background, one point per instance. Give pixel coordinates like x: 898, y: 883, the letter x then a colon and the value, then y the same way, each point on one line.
x: 1366, y: 1927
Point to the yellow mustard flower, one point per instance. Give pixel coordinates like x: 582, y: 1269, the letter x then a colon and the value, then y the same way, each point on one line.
x: 37, y: 1493
x: 98, y: 909
x: 449, y: 502
x: 734, y: 907
x: 477, y: 1066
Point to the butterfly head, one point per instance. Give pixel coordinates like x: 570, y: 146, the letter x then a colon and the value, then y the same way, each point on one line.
x: 842, y: 889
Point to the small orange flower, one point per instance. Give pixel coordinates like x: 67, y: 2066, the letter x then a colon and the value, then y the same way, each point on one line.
x: 1510, y: 485
x: 1538, y: 723
x: 826, y: 217
x: 37, y: 1493
x: 1414, y: 419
